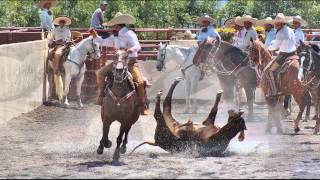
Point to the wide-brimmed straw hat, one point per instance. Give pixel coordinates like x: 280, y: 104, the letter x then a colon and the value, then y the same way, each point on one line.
x: 267, y: 20
x: 43, y: 2
x: 76, y: 34
x: 230, y: 23
x: 281, y: 18
x: 120, y: 18
x: 205, y: 18
x: 189, y: 34
x: 62, y: 18
x: 246, y: 18
x: 299, y: 19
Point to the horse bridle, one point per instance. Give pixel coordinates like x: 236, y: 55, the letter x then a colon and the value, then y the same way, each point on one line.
x: 94, y: 50
x: 163, y: 53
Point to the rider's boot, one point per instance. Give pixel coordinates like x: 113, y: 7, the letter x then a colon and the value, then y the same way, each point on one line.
x: 142, y: 97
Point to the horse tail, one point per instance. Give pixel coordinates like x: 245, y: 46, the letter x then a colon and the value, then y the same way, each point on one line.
x: 59, y: 85
x: 150, y: 143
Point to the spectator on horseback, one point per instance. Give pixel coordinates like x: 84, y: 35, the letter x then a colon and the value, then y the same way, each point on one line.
x: 127, y: 39
x: 297, y: 23
x: 97, y: 16
x: 207, y: 29
x: 46, y: 16
x: 60, y: 36
x: 269, y: 29
x: 248, y: 22
x: 284, y: 47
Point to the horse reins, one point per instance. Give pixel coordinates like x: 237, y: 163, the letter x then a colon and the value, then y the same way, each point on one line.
x: 118, y: 100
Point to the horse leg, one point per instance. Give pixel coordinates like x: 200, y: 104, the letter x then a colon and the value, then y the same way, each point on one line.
x: 194, y: 105
x: 79, y: 84
x: 67, y: 81
x: 116, y: 154
x: 250, y: 98
x: 104, y: 142
x: 270, y: 119
x: 125, y: 140
x: 299, y: 98
x: 308, y: 104
x: 287, y: 105
x: 188, y: 94
x: 277, y: 114
x: 51, y: 84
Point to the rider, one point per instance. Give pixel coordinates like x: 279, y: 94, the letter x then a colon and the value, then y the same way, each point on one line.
x: 285, y: 45
x: 127, y: 39
x: 248, y: 22
x: 46, y: 16
x: 270, y: 30
x: 297, y: 23
x: 97, y: 16
x: 240, y: 32
x: 207, y: 30
x: 59, y: 37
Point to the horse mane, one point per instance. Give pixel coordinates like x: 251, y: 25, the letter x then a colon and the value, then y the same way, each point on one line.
x: 263, y: 50
x: 83, y: 41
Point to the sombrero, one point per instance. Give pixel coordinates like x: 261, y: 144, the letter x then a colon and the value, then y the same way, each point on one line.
x: 267, y: 20
x: 300, y: 20
x: 281, y: 18
x: 237, y: 21
x: 43, y: 2
x: 120, y: 18
x: 60, y: 18
x: 189, y: 34
x: 246, y: 18
x: 205, y: 18
x: 76, y: 34
x: 231, y: 22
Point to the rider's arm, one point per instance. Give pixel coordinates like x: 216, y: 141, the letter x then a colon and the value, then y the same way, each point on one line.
x: 133, y: 43
x: 109, y: 42
x: 275, y: 45
x: 69, y: 36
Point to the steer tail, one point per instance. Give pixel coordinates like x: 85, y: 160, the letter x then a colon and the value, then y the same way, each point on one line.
x: 150, y: 143
x: 59, y: 85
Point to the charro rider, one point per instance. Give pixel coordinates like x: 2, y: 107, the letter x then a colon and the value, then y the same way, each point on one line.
x: 207, y: 29
x: 284, y: 44
x: 271, y: 32
x: 128, y: 40
x: 248, y: 22
x: 60, y: 36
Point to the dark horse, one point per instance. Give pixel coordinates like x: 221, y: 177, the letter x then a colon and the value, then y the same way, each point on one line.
x: 310, y: 61
x: 232, y: 67
x: 120, y: 104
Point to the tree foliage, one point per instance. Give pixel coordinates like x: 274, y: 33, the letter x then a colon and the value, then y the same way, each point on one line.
x: 158, y: 13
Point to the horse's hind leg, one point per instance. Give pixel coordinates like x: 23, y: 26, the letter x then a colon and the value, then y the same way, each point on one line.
x: 250, y: 99
x: 79, y: 84
x: 116, y: 154
x: 308, y: 103
x: 104, y: 142
x: 300, y: 99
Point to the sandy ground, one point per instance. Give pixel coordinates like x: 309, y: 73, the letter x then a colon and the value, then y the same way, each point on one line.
x: 53, y: 142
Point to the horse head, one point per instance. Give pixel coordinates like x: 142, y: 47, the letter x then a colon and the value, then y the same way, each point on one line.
x: 309, y: 56
x: 235, y: 120
x: 120, y: 66
x: 258, y: 53
x: 161, y: 56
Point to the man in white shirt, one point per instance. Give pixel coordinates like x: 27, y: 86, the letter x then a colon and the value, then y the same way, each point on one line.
x: 207, y: 29
x: 240, y: 32
x: 46, y: 16
x: 97, y: 16
x: 58, y: 39
x: 248, y: 22
x: 298, y: 23
x: 284, y: 46
x: 271, y: 32
x: 128, y: 40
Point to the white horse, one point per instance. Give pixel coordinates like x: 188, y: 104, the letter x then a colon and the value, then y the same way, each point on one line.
x: 183, y: 56
x: 74, y: 67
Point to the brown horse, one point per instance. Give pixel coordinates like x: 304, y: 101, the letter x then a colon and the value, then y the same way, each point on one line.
x: 206, y: 139
x: 120, y: 104
x: 289, y: 85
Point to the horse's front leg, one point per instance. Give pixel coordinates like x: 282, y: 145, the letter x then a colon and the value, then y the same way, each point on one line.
x: 125, y: 140
x: 250, y: 91
x: 116, y: 154
x: 79, y: 84
x: 104, y: 142
x: 66, y: 88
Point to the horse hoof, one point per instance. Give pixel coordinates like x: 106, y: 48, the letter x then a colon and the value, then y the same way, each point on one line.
x: 100, y: 150
x: 80, y: 106
x: 296, y: 130
x: 123, y: 150
x: 115, y: 163
x: 108, y: 145
x: 160, y: 93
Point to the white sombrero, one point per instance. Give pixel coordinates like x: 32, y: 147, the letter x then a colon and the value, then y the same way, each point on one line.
x: 230, y: 23
x: 246, y: 18
x: 189, y: 34
x: 300, y: 20
x: 43, y: 2
x: 267, y: 20
x: 120, y: 18
x: 281, y: 18
x: 62, y: 18
x: 205, y: 18
x: 237, y: 21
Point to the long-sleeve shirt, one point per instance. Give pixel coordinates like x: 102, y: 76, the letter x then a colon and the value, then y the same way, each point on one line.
x: 239, y: 37
x: 270, y: 36
x: 299, y: 35
x: 211, y: 32
x: 62, y: 34
x: 126, y: 39
x: 251, y: 33
x: 285, y: 41
x: 46, y: 20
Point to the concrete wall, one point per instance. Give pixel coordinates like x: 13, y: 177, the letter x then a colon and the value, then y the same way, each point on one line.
x: 22, y: 69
